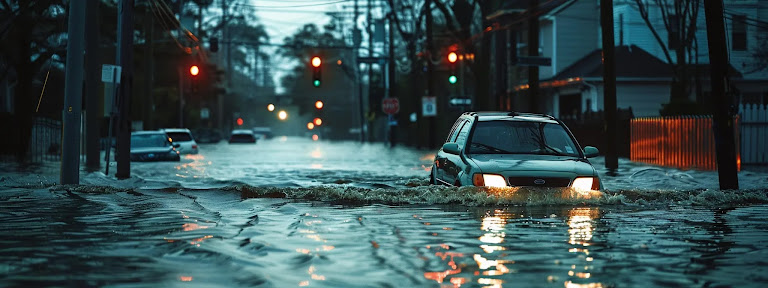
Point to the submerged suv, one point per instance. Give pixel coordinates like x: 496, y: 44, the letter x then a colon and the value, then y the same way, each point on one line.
x: 501, y: 149
x: 183, y: 137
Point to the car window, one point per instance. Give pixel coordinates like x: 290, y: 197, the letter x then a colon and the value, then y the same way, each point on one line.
x: 452, y: 135
x: 149, y: 140
x: 180, y: 136
x: 461, y: 136
x: 242, y: 137
x: 521, y: 137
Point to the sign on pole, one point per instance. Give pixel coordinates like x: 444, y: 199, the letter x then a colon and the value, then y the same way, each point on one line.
x: 390, y: 105
x: 429, y: 106
x: 110, y: 73
x: 461, y: 101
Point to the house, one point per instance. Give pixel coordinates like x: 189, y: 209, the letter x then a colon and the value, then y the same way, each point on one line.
x: 570, y: 36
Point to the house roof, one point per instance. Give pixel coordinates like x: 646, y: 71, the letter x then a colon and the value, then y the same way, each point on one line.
x: 631, y: 62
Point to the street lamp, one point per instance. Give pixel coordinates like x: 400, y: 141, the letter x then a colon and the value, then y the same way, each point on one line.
x: 282, y: 115
x: 271, y: 107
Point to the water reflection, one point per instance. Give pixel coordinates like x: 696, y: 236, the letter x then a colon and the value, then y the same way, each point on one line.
x: 581, y: 222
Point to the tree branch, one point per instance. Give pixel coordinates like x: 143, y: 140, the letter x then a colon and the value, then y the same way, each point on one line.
x: 644, y: 14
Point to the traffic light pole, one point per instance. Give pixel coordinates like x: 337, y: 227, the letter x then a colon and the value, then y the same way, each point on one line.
x: 73, y: 97
x: 125, y: 59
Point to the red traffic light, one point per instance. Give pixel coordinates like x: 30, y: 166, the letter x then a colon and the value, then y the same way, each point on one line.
x: 239, y: 121
x: 317, y: 121
x: 316, y: 62
x: 194, y: 70
x: 452, y: 57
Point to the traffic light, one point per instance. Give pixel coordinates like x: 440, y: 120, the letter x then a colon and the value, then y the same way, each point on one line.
x: 194, y: 70
x: 316, y: 71
x: 239, y: 121
x: 452, y: 58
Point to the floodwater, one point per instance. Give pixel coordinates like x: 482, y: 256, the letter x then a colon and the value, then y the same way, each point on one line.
x: 288, y: 212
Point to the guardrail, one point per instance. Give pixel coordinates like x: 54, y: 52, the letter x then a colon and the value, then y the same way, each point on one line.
x: 685, y: 142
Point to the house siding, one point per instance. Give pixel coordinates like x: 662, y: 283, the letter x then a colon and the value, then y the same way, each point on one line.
x: 576, y: 30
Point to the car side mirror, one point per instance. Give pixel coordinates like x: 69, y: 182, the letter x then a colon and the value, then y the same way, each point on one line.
x: 176, y: 145
x: 590, y: 152
x: 451, y: 148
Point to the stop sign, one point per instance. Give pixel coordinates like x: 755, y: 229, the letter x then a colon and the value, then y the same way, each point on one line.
x: 390, y: 105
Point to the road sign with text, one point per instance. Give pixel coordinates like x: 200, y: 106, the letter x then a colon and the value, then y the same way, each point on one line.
x: 390, y: 105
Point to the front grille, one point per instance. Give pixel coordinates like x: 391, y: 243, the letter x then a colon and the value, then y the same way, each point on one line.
x: 536, y: 181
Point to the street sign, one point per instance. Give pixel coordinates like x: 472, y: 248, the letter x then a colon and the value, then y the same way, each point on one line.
x: 390, y: 105
x: 110, y: 73
x: 533, y: 61
x: 461, y: 101
x: 428, y: 106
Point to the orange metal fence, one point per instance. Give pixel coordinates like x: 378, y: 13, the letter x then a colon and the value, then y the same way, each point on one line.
x: 685, y: 142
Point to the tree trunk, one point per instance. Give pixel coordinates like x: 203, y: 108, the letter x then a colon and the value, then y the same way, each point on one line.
x: 24, y: 104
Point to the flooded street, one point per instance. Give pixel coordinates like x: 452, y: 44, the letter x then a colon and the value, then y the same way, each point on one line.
x: 289, y: 212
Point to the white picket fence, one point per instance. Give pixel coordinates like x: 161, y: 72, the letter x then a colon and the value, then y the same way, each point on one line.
x: 753, y: 120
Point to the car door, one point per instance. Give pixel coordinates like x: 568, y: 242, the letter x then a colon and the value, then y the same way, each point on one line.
x: 454, y: 164
x: 440, y: 156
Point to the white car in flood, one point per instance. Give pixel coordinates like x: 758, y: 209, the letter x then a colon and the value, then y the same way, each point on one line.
x: 183, y: 137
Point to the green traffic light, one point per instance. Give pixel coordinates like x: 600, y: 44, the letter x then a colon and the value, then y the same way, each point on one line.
x: 316, y: 83
x: 452, y: 79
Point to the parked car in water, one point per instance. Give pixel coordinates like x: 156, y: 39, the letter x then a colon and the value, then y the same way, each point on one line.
x: 183, y: 137
x: 262, y: 132
x: 510, y: 149
x: 153, y: 146
x: 242, y: 136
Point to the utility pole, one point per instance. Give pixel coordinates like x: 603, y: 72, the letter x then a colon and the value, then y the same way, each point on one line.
x: 391, y: 77
x: 228, y: 43
x: 609, y: 91
x: 430, y: 68
x: 92, y: 63
x: 723, y: 125
x: 356, y: 39
x: 501, y: 68
x: 533, y: 51
x: 73, y: 97
x: 149, y: 74
x: 370, y: 69
x: 125, y: 60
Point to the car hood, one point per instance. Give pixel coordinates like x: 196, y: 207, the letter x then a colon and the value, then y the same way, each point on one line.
x: 511, y: 163
x: 143, y: 150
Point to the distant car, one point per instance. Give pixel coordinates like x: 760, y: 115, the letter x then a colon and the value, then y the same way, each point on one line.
x: 262, y: 132
x: 501, y: 149
x: 153, y: 146
x: 242, y: 136
x: 183, y: 137
x: 207, y: 135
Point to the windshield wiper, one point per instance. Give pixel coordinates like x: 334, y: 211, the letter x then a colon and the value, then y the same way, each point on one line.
x: 555, y: 151
x: 491, y: 148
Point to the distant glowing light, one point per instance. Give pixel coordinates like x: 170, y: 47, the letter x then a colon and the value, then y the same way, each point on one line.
x: 282, y: 115
x: 271, y: 107
x: 338, y: 62
x: 185, y: 278
x: 319, y: 104
x: 315, y: 137
x: 316, y: 61
x: 318, y: 121
x: 310, y: 126
x: 452, y: 57
x: 194, y: 70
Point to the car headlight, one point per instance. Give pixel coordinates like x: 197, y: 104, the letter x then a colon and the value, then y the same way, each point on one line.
x: 490, y: 180
x: 584, y: 184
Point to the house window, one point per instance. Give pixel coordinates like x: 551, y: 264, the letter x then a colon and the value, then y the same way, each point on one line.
x: 739, y: 33
x: 673, y: 35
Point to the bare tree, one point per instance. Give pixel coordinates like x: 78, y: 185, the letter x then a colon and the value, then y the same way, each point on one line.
x: 679, y: 18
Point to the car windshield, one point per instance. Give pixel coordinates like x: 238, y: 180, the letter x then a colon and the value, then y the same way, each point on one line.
x: 180, y: 136
x: 242, y: 137
x: 521, y: 137
x: 149, y: 140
